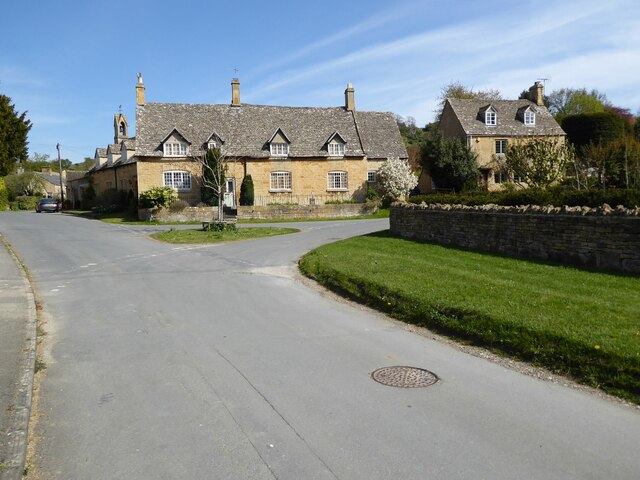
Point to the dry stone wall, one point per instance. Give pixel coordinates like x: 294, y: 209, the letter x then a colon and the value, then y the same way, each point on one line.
x: 603, y: 237
x: 273, y: 212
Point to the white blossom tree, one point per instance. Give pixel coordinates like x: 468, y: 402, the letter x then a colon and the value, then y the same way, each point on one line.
x: 396, y: 178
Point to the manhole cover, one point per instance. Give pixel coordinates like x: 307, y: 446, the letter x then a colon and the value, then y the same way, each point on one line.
x: 405, y: 377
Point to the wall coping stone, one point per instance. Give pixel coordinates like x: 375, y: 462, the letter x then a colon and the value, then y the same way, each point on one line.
x: 603, y: 210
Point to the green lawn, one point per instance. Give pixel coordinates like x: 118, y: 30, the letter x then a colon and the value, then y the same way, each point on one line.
x: 575, y: 322
x: 211, y: 236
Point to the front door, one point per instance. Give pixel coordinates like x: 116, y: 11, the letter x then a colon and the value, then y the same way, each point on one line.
x: 230, y: 192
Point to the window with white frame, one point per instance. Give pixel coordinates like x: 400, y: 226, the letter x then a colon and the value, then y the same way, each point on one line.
x: 490, y: 117
x: 372, y: 176
x: 500, y: 176
x: 336, y: 149
x: 337, y: 181
x: 175, y: 149
x: 178, y: 180
x: 280, y: 182
x: 529, y: 118
x: 501, y: 147
x: 212, y: 145
x: 279, y: 149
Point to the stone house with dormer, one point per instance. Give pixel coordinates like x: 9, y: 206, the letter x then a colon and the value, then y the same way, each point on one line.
x: 293, y: 154
x: 487, y: 127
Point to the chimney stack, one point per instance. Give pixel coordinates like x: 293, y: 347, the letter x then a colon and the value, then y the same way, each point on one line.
x: 350, y: 98
x: 536, y: 93
x: 235, y: 92
x: 139, y: 91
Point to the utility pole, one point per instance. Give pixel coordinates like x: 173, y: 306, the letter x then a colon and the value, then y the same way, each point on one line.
x: 60, y: 176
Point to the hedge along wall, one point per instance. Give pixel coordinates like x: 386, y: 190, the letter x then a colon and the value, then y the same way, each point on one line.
x: 594, y: 237
x: 274, y: 212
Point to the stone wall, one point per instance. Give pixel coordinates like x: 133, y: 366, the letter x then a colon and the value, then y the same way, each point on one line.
x: 189, y: 214
x: 594, y: 237
x: 275, y: 212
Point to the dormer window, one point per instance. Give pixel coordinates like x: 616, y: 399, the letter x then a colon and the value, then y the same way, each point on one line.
x: 214, y: 142
x: 336, y: 149
x: 175, y: 149
x: 279, y: 144
x: 529, y: 118
x: 336, y: 145
x: 490, y: 118
x: 279, y: 149
x: 175, y: 145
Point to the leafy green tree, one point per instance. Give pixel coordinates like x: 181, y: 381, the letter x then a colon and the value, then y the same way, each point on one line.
x: 38, y: 161
x: 574, y: 101
x: 82, y: 166
x: 4, y: 196
x: 25, y: 184
x: 587, y: 128
x: 539, y: 162
x: 246, y: 191
x: 450, y: 162
x: 458, y: 90
x: 14, y: 129
x: 613, y: 164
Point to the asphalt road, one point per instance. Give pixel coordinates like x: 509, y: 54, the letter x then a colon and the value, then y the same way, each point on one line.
x: 216, y: 362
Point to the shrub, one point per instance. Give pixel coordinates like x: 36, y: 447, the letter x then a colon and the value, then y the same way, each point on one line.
x: 111, y: 201
x: 157, y: 197
x: 178, y: 206
x: 132, y: 202
x: 341, y: 202
x: 221, y: 227
x: 4, y: 195
x: 557, y: 196
x: 372, y: 194
x: 25, y: 202
x: 246, y: 191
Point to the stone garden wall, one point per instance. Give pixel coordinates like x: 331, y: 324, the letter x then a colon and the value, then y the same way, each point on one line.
x: 274, y: 212
x: 600, y: 237
x: 188, y: 214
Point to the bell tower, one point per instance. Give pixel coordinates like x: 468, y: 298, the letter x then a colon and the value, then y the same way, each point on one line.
x: 120, y: 128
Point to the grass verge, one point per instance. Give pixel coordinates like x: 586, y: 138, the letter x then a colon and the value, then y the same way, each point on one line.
x: 210, y: 236
x: 578, y: 323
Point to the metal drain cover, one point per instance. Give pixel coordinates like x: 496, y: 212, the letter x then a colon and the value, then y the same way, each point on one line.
x: 404, y: 377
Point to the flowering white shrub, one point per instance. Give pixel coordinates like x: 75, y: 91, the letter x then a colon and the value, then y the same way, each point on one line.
x: 396, y: 178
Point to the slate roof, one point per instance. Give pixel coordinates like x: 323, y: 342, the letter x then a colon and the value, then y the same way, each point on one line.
x: 114, y: 148
x: 509, y: 114
x: 101, y: 152
x: 247, y: 129
x: 52, y: 178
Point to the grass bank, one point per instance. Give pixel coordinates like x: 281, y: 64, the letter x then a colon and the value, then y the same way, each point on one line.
x: 578, y: 323
x: 210, y: 236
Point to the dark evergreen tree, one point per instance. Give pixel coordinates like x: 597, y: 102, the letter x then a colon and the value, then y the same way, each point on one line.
x: 14, y: 129
x: 246, y: 191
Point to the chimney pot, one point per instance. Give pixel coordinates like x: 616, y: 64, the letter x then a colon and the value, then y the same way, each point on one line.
x: 349, y: 98
x: 235, y: 92
x: 139, y: 91
x: 536, y: 92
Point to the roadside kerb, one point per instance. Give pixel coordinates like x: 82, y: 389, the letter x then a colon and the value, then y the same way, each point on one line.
x: 17, y: 420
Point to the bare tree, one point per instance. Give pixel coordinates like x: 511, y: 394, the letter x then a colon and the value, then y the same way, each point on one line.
x: 214, y: 165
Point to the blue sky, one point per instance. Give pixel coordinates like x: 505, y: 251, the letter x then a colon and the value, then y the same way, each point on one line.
x: 72, y: 64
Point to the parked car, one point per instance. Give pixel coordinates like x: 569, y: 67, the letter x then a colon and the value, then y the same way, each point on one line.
x: 48, y: 205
